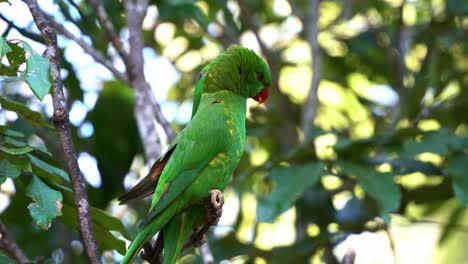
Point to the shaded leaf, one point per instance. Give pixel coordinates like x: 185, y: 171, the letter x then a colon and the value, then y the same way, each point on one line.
x: 33, y: 117
x: 5, y: 259
x: 108, y: 222
x: 438, y: 142
x: 457, y: 167
x: 104, y: 238
x: 8, y: 169
x: 37, y: 73
x: 379, y: 186
x: 290, y: 183
x: 46, y: 167
x: 16, y: 57
x: 48, y: 203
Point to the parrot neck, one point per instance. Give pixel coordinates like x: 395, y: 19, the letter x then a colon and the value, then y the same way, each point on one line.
x: 232, y: 103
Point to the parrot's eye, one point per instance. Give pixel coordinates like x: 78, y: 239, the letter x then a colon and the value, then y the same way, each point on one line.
x: 260, y: 77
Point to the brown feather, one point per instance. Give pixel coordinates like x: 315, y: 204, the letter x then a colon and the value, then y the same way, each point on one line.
x: 147, y: 185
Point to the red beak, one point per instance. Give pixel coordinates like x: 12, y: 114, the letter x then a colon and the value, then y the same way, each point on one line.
x: 262, y: 96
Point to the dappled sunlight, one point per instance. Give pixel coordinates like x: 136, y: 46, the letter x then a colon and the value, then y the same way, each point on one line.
x: 245, y: 231
x: 164, y: 33
x: 324, y: 146
x: 295, y: 82
x: 279, y: 233
x: 189, y: 61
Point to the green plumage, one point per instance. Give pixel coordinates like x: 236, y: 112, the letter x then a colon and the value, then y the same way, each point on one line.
x: 204, y: 155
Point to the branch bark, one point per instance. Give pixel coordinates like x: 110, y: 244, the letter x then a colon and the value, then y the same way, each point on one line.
x: 105, y: 22
x: 62, y: 125
x: 8, y: 244
x: 146, y: 106
x: 310, y: 107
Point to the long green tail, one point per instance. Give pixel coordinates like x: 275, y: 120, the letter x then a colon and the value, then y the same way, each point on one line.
x: 147, y: 233
x: 177, y: 231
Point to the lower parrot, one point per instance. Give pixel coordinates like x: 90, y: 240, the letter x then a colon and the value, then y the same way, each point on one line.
x: 204, y: 155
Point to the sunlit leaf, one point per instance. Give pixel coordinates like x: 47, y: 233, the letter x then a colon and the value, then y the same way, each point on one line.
x: 37, y: 73
x: 289, y: 183
x: 4, y: 47
x: 33, y: 117
x: 13, y: 133
x: 47, y: 203
x: 16, y: 150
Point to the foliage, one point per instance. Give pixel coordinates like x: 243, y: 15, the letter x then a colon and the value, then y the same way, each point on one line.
x: 389, y: 137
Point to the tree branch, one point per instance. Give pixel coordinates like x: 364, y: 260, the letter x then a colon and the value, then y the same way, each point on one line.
x: 310, y: 107
x: 9, y: 245
x: 88, y: 49
x: 62, y: 125
x: 146, y: 106
x: 23, y: 31
x: 109, y: 29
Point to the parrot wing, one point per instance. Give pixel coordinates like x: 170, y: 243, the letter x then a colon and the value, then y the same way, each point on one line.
x: 197, y: 145
x: 147, y: 185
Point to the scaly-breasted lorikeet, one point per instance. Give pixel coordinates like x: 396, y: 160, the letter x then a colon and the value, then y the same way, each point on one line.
x: 204, y: 155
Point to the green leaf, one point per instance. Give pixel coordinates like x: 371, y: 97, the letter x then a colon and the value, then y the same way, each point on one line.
x: 14, y: 142
x: 104, y: 238
x: 104, y: 220
x: 4, y: 47
x: 380, y: 186
x: 16, y: 57
x: 457, y: 167
x: 37, y: 73
x: 13, y: 133
x: 438, y: 142
x: 290, y: 183
x: 48, y: 203
x: 33, y: 117
x: 5, y: 259
x: 8, y: 169
x: 40, y: 167
x: 15, y: 150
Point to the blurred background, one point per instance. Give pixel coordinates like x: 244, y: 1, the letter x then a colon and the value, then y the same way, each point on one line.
x: 361, y: 146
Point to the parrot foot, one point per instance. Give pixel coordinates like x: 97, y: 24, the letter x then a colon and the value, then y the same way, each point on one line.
x: 214, y: 210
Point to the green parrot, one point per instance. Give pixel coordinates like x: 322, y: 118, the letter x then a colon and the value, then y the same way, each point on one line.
x: 204, y: 155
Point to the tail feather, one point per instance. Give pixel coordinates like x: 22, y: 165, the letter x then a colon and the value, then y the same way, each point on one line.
x: 176, y: 234
x: 147, y: 233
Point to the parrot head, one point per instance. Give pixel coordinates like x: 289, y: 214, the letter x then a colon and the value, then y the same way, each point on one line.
x: 239, y: 70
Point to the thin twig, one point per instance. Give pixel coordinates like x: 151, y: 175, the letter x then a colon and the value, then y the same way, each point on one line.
x: 310, y: 107
x: 23, y: 31
x: 88, y: 49
x: 8, y: 244
x: 62, y: 125
x: 105, y: 22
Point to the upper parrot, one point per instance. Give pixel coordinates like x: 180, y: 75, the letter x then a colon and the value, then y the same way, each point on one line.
x: 205, y: 154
